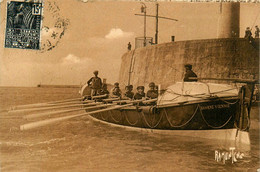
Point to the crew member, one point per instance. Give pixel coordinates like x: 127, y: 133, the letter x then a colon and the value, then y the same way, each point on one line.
x: 152, y: 93
x: 189, y: 73
x: 129, y: 94
x: 140, y: 93
x: 116, y: 92
x: 104, y: 91
x: 257, y: 30
x: 95, y: 84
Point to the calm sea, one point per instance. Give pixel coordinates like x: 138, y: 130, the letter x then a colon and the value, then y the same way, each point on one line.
x: 81, y: 144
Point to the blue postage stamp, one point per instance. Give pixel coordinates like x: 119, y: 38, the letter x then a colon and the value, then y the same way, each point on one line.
x: 23, y: 24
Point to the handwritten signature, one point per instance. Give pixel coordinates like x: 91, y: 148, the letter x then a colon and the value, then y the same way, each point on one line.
x: 232, y: 154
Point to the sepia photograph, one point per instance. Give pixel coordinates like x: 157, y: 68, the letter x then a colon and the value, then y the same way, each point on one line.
x: 129, y: 85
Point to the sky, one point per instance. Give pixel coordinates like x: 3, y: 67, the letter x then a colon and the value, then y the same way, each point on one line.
x: 96, y: 35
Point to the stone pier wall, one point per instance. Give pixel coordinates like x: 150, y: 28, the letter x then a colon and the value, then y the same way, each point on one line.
x: 216, y: 58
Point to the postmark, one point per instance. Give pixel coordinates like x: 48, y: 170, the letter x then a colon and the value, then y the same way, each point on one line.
x: 23, y: 24
x: 54, y: 26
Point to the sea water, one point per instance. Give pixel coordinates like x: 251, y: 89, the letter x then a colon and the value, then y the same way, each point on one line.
x: 81, y: 144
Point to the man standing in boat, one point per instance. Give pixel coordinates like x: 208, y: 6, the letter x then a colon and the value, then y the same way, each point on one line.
x: 189, y: 73
x: 95, y: 84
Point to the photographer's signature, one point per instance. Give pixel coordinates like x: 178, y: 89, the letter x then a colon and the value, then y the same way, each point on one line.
x: 232, y: 154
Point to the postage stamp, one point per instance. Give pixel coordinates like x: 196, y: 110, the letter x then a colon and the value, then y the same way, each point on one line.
x: 23, y: 24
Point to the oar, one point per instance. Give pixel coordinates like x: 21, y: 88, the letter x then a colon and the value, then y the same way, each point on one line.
x: 52, y: 102
x: 51, y: 108
x: 54, y: 120
x: 100, y: 96
x: 53, y: 105
x: 150, y: 101
x: 31, y: 116
x: 110, y: 99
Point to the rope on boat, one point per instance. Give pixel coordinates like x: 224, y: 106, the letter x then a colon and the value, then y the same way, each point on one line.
x: 211, y: 125
x: 158, y: 121
x: 166, y: 114
x: 133, y: 124
x: 248, y: 123
x: 198, y: 95
x: 230, y: 103
x: 146, y: 120
x: 101, y: 114
x: 111, y: 114
x: 149, y: 124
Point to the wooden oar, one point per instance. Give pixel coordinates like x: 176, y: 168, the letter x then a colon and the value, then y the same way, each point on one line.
x: 150, y: 101
x: 110, y: 99
x: 54, y: 120
x: 40, y: 104
x: 51, y: 108
x: 31, y: 116
x: 100, y: 96
x: 53, y: 105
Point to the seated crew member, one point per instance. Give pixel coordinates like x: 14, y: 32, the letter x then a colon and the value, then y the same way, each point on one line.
x: 116, y: 86
x: 116, y: 92
x: 152, y: 93
x: 129, y: 94
x: 95, y: 84
x: 140, y: 93
x: 189, y: 73
x: 104, y: 91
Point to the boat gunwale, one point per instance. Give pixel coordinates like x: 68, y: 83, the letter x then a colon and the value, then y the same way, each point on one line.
x: 134, y: 107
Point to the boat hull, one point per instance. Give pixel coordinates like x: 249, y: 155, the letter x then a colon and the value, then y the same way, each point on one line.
x: 207, y: 115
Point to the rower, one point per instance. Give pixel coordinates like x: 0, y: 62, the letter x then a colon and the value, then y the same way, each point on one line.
x: 140, y: 93
x: 152, y: 93
x: 116, y: 92
x: 104, y: 91
x: 189, y: 73
x: 129, y: 94
x: 95, y: 84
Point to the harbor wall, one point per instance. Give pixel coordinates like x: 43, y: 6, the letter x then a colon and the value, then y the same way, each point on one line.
x: 214, y: 58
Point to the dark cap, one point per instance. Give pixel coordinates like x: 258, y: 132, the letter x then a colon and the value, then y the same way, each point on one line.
x: 116, y: 84
x: 188, y: 66
x: 248, y: 28
x: 140, y: 87
x: 130, y: 86
x: 95, y: 72
x: 152, y: 84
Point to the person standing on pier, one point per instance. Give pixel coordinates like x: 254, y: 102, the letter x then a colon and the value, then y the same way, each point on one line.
x: 189, y: 73
x: 129, y: 46
x: 95, y: 84
x: 248, y: 34
x: 257, y: 30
